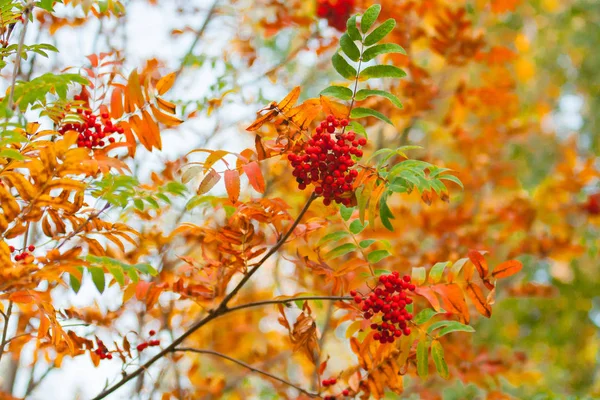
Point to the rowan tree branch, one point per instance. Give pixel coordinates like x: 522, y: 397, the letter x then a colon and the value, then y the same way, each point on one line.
x: 26, y: 12
x: 6, y: 315
x: 220, y: 310
x: 250, y: 367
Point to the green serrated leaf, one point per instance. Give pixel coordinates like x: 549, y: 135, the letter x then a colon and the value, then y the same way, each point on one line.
x: 364, y: 93
x: 349, y: 47
x: 98, y: 278
x: 455, y: 326
x: 437, y: 353
x: 346, y: 212
x: 340, y: 251
x: 454, y: 179
x: 342, y: 67
x: 118, y: 274
x: 383, y: 48
x: 332, y: 237
x: 380, y: 32
x: 377, y: 255
x: 418, y: 275
x: 436, y: 272
x: 340, y: 92
x: 366, y: 243
x: 385, y: 214
x: 424, y: 316
x: 358, y: 128
x: 352, y: 29
x: 382, y: 71
x: 423, y: 359
x: 145, y: 269
x: 139, y: 204
x: 11, y: 153
x: 361, y: 112
x: 369, y: 17
x: 356, y: 227
x: 75, y: 283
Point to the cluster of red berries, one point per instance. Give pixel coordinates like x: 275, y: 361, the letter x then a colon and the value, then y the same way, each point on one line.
x: 345, y: 393
x: 150, y: 343
x: 102, y: 351
x: 92, y: 129
x: 326, y: 161
x: 593, y: 204
x: 335, y: 11
x: 22, y: 256
x: 389, y: 300
x: 329, y: 382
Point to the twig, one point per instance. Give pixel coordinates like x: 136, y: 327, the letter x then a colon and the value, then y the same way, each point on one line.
x: 13, y: 83
x: 80, y: 227
x: 290, y: 300
x: 5, y: 330
x: 199, y: 34
x: 250, y: 367
x: 220, y: 310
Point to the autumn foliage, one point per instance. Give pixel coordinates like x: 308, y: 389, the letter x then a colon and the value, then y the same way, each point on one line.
x: 388, y: 205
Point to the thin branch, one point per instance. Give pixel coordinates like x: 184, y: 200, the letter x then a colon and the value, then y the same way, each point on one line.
x: 26, y: 13
x: 250, y: 367
x: 80, y: 227
x: 286, y: 301
x: 199, y: 35
x: 5, y: 330
x: 220, y: 310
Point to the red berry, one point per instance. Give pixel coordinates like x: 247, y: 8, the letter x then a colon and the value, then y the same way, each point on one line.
x: 11, y: 248
x: 152, y: 332
x: 346, y: 392
x: 31, y: 247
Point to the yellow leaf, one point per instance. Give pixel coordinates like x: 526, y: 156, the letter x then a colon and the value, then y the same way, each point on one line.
x: 165, y: 83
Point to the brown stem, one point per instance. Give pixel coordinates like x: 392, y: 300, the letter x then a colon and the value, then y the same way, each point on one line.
x: 5, y: 330
x: 26, y: 13
x: 250, y: 367
x: 220, y: 310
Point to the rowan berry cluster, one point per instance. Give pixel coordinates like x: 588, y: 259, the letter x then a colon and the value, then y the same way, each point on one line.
x: 102, y: 351
x: 150, y: 343
x: 93, y: 129
x: 335, y: 11
x: 24, y: 254
x: 389, y: 300
x: 326, y: 161
x: 329, y: 382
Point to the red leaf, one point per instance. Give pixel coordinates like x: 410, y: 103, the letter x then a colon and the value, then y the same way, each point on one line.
x: 479, y: 262
x: 507, y: 268
x: 232, y: 184
x: 255, y: 176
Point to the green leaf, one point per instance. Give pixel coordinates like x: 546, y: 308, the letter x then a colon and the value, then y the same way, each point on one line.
x: 452, y: 178
x: 455, y: 326
x: 139, y: 204
x: 437, y: 353
x: 340, y: 250
x: 423, y: 359
x: 98, y: 278
x: 380, y: 32
x: 364, y: 93
x: 366, y: 243
x: 118, y: 274
x: 75, y: 283
x: 385, y: 214
x: 424, y: 316
x: 383, y: 48
x: 145, y: 269
x: 369, y: 17
x: 418, y: 275
x: 361, y: 112
x: 346, y: 212
x: 377, y: 255
x: 382, y: 71
x: 334, y: 236
x: 349, y: 47
x: 340, y: 92
x: 11, y: 153
x: 436, y: 272
x: 358, y: 128
x: 357, y: 227
x: 342, y: 67
x: 352, y: 30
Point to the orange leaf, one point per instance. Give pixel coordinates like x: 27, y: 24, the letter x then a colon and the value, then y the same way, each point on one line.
x: 209, y: 181
x: 288, y: 102
x: 453, y: 299
x: 163, y: 118
x: 134, y: 90
x: 165, y: 83
x: 479, y: 262
x: 476, y: 295
x: 260, y: 149
x: 213, y: 158
x: 430, y: 296
x: 139, y: 127
x: 338, y: 110
x: 152, y: 130
x: 260, y: 121
x: 507, y: 268
x: 255, y: 176
x: 116, y: 103
x: 232, y: 184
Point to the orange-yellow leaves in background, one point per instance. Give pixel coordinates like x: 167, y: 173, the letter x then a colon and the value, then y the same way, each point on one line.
x: 502, y: 6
